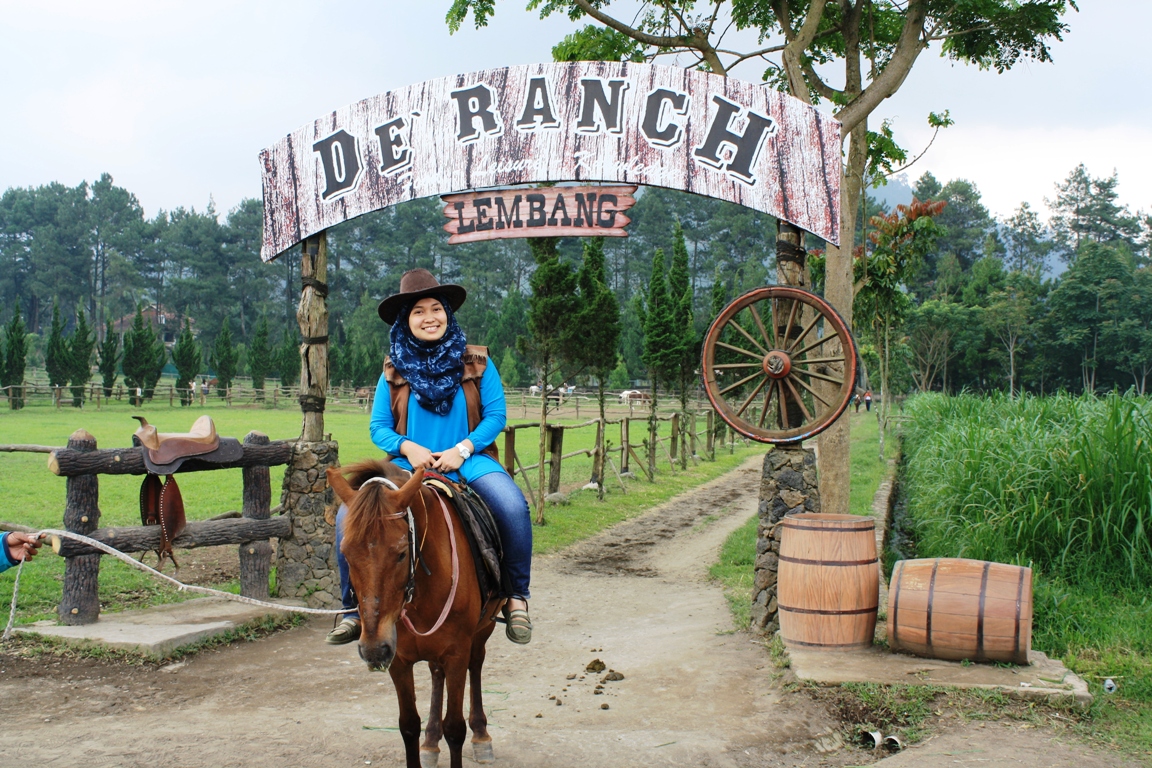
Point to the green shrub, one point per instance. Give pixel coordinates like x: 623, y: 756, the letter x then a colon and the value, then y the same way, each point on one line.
x: 1061, y: 483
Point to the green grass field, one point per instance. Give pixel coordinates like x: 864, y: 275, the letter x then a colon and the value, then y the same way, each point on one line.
x: 31, y: 495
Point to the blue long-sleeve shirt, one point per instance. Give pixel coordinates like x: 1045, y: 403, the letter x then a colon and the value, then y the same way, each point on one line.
x: 440, y: 433
x: 6, y: 560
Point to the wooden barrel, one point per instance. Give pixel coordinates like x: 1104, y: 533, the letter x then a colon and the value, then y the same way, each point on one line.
x: 951, y: 608
x: 829, y: 581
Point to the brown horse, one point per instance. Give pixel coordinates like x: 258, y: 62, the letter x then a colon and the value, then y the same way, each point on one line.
x: 413, y: 574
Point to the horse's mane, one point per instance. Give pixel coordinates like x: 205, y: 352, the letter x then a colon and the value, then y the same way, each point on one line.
x: 364, y: 512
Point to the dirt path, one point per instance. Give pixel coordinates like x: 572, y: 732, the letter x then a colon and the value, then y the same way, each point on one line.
x: 635, y: 597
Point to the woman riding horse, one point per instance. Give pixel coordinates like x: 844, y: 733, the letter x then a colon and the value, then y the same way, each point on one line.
x: 433, y: 386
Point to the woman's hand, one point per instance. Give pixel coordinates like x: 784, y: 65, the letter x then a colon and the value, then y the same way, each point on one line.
x: 448, y: 461
x: 451, y: 460
x: 418, y: 456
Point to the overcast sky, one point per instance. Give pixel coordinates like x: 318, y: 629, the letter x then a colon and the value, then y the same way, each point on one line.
x: 175, y: 99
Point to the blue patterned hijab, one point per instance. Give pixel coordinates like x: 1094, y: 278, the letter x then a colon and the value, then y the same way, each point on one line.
x: 432, y: 368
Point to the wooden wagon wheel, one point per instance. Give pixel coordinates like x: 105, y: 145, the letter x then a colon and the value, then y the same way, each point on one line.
x: 771, y: 367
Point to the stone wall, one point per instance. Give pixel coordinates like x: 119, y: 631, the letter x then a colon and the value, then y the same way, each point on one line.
x: 306, y: 561
x: 787, y: 486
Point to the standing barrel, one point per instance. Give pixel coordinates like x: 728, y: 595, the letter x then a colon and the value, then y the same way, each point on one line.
x: 829, y: 581
x: 952, y: 608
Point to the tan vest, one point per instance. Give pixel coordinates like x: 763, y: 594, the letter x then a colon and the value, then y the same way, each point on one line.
x: 475, y: 361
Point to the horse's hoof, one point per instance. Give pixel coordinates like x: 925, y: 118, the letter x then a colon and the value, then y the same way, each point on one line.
x: 482, y: 752
x: 428, y: 758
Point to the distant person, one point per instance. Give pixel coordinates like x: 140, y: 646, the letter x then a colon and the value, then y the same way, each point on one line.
x: 17, y: 547
x: 856, y: 401
x: 868, y: 400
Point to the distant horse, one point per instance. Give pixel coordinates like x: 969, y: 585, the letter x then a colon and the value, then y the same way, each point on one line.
x: 413, y: 574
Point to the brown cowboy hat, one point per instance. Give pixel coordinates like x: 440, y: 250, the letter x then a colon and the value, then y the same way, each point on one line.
x: 416, y: 284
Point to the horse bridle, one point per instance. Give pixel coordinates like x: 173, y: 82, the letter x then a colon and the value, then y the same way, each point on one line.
x: 414, y: 555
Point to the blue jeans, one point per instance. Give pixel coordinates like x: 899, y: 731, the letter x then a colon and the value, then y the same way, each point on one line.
x: 513, y: 520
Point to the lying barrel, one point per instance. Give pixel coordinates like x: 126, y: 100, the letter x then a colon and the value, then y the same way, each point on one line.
x: 951, y: 608
x: 829, y: 581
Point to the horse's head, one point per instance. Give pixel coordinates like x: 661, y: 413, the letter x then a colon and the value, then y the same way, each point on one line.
x: 376, y: 545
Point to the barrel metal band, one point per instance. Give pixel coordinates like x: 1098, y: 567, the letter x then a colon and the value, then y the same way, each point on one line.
x: 827, y: 645
x: 820, y: 612
x: 801, y: 561
x: 980, y: 616
x: 870, y: 526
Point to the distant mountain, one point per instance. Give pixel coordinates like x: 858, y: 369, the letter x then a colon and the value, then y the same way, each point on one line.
x: 898, y: 191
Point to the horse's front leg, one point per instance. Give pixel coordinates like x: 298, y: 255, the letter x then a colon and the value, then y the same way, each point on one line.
x: 477, y: 719
x: 401, y: 673
x: 430, y: 749
x: 455, y: 729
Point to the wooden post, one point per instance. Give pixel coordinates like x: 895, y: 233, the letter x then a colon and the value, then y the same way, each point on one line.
x: 256, y: 556
x: 171, y: 396
x: 80, y: 602
x: 624, y: 445
x: 312, y: 315
x: 510, y: 451
x: 556, y: 446
x: 675, y: 435
x: 692, y: 437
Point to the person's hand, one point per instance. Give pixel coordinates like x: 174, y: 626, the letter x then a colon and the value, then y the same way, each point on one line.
x: 22, y: 546
x: 418, y: 456
x: 448, y: 461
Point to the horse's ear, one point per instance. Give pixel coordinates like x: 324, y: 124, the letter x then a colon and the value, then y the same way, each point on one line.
x: 411, y: 488
x: 340, y: 485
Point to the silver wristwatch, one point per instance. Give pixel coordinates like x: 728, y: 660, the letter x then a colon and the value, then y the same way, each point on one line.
x: 464, y: 450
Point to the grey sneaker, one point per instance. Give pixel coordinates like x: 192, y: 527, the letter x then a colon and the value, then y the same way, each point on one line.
x: 347, y: 631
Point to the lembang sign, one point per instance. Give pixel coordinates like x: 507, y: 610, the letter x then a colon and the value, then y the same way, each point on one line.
x: 583, y: 121
x: 540, y: 212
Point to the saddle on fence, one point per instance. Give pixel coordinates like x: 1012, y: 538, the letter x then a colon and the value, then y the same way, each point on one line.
x: 161, y: 503
x: 480, y: 530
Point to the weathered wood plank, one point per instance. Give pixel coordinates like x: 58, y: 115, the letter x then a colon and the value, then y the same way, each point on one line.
x: 560, y: 122
x: 538, y: 212
x: 199, y: 533
x: 68, y: 462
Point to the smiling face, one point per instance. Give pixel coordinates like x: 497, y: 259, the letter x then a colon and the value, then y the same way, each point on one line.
x: 428, y: 321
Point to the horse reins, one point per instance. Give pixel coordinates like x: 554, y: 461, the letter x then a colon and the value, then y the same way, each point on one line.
x: 414, y: 554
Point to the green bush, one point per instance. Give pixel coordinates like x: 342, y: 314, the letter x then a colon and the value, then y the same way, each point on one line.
x: 1060, y: 483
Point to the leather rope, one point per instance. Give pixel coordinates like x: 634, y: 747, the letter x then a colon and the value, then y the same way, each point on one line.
x: 316, y: 285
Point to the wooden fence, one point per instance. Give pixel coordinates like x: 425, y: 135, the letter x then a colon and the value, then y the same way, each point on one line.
x: 81, y: 463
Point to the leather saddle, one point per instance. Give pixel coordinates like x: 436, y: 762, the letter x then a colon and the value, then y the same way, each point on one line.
x: 480, y: 530
x: 166, y: 451
x: 161, y: 503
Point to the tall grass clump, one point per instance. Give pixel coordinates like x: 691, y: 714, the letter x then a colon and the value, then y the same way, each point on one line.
x: 1061, y: 483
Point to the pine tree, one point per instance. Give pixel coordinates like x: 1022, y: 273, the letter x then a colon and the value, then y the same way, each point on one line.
x: 552, y: 310
x: 188, y: 359
x: 80, y: 356
x: 138, y: 357
x: 109, y: 356
x: 599, y: 323
x: 260, y: 357
x: 224, y: 359
x: 288, y: 359
x: 15, y: 357
x: 661, y: 353
x: 56, y: 359
x: 684, y: 329
x: 157, y: 357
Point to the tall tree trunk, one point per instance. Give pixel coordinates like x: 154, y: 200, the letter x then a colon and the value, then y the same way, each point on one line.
x: 835, y: 476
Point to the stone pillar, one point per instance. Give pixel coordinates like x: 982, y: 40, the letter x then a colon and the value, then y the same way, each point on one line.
x: 306, y: 560
x: 787, y: 486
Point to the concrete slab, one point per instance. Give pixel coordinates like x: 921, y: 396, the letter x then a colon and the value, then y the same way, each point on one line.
x: 1044, y: 678
x: 160, y: 630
